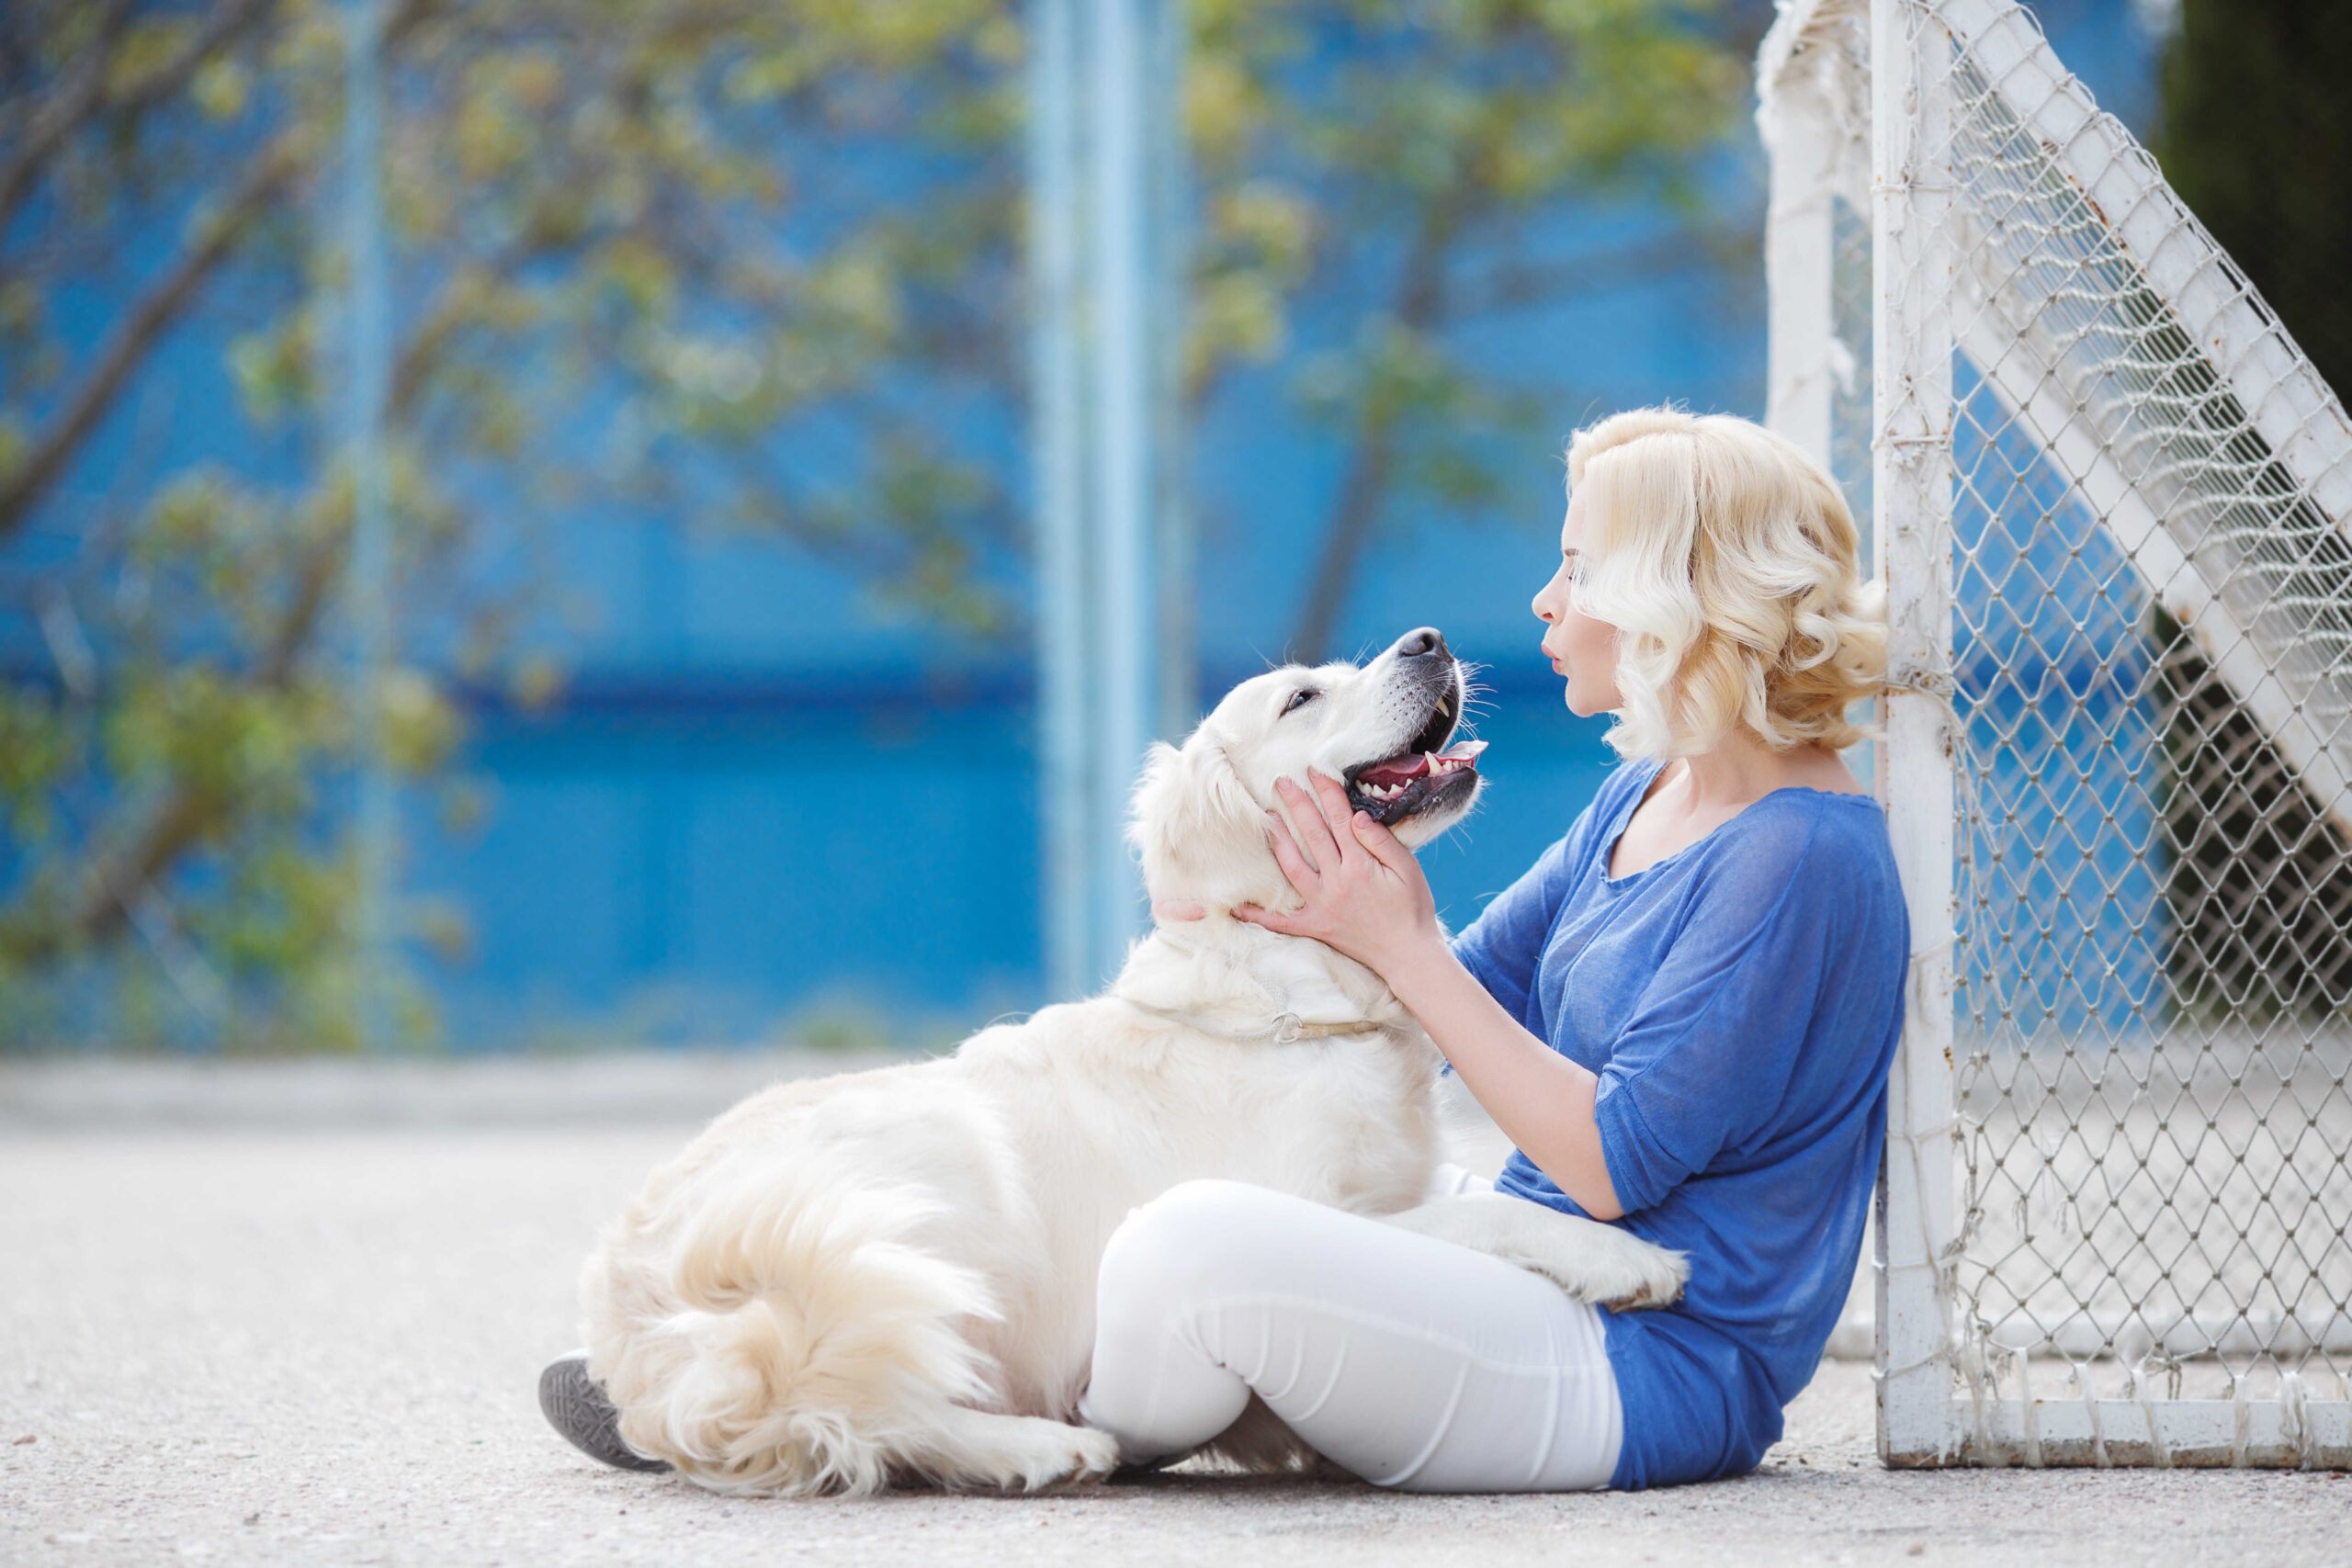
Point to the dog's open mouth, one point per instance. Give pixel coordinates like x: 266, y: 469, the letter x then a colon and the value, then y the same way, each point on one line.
x: 1426, y: 774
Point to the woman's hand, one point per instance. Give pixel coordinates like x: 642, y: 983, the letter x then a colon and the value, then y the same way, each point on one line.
x: 1364, y: 892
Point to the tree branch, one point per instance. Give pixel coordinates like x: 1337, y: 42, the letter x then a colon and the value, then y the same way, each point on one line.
x: 128, y: 348
x: 140, y: 330
x: 56, y: 116
x: 85, y: 98
x: 222, y: 26
x: 186, y: 814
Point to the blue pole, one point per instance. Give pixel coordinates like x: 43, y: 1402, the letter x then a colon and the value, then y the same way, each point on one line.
x: 368, y: 582
x: 1170, y: 226
x: 1123, y: 426
x: 1113, y: 564
x: 1063, y: 664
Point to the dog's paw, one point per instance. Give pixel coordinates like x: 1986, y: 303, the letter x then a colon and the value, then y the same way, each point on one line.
x: 1624, y: 1272
x: 1082, y: 1456
x: 1603, y: 1264
x: 980, y: 1451
x: 1048, y: 1456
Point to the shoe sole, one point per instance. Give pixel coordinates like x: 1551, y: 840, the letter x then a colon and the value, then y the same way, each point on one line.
x: 576, y: 1406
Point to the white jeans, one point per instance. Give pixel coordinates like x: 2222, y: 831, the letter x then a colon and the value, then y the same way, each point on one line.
x: 1414, y: 1362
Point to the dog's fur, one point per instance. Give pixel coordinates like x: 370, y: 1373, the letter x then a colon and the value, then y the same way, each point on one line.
x: 890, y: 1275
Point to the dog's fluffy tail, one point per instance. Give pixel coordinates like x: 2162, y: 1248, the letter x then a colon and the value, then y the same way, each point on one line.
x: 799, y: 1339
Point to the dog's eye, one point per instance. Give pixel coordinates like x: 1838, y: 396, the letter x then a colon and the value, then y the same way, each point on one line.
x: 1299, y: 700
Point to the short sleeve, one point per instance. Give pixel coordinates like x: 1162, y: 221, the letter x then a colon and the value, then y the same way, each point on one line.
x: 1707, y: 1054
x: 1505, y: 943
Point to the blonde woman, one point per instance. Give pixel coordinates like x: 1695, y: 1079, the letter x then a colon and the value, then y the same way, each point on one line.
x: 1682, y: 1015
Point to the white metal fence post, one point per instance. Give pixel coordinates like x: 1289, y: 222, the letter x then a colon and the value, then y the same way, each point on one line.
x: 1799, y: 261
x: 1912, y: 479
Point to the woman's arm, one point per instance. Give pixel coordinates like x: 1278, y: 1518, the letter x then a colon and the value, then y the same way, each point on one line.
x: 1542, y: 1100
x: 1364, y: 894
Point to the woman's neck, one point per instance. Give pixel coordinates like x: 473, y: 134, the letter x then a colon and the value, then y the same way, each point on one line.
x: 1743, y: 770
x: 1691, y: 796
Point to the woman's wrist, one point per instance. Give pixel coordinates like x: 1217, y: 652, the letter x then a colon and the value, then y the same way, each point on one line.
x: 1418, y: 972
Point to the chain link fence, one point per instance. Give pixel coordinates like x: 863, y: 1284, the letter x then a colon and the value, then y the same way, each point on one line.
x: 2142, y: 655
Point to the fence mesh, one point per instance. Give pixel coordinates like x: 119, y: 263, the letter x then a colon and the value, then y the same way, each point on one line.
x: 2155, y: 955
x: 2151, y: 668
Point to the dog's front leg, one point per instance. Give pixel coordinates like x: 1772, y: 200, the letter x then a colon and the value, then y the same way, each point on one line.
x: 1593, y: 1262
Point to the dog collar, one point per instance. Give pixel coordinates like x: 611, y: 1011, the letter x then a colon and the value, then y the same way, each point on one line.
x: 1283, y: 1028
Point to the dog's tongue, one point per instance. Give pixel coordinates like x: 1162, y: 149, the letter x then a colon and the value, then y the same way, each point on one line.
x: 1398, y: 770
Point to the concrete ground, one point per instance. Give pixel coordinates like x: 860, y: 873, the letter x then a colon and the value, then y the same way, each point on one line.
x: 223, y: 1337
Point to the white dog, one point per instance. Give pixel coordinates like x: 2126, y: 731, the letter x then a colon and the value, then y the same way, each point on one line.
x: 890, y: 1275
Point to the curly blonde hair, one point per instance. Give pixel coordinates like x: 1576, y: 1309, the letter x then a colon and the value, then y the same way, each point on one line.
x: 1726, y: 559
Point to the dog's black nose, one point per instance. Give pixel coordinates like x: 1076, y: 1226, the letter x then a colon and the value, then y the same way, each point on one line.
x: 1421, y: 643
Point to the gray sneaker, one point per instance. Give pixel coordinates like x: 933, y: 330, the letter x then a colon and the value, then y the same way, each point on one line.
x: 575, y: 1406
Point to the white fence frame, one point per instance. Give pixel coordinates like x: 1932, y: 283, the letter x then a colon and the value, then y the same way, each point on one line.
x: 1813, y: 119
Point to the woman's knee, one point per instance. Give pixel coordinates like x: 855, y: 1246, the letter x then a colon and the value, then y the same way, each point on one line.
x: 1174, y: 1250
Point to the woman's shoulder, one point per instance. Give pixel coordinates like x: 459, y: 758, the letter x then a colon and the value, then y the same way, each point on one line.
x: 1814, y: 844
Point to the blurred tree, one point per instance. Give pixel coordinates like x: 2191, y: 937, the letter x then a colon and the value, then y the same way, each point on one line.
x: 712, y: 262
x: 2258, y: 141
x: 633, y: 243
x: 1418, y: 157
x: 2254, y: 137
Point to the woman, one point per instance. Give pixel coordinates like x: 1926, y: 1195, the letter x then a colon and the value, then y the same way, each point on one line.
x: 1682, y: 1015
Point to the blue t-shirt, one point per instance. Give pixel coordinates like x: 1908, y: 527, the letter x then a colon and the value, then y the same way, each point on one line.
x: 1741, y: 1000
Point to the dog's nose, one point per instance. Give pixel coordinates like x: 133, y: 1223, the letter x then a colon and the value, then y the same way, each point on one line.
x: 1421, y: 643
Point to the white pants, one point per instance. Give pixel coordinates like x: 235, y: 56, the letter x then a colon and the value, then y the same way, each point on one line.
x: 1412, y: 1361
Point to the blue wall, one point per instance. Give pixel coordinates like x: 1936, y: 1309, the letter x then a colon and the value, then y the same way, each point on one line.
x: 690, y: 869
x: 754, y: 809
x: 765, y: 799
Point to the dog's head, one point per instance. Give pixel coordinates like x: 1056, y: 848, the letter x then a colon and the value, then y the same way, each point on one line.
x: 1383, y: 730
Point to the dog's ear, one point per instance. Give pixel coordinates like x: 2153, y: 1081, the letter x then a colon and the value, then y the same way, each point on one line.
x: 1199, y: 832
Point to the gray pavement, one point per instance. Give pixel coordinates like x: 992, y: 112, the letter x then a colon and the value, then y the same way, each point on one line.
x: 263, y: 1344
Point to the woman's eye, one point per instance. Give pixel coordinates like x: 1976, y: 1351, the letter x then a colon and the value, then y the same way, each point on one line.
x: 1299, y: 700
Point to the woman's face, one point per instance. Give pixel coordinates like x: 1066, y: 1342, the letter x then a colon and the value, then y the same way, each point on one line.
x: 1583, y: 649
